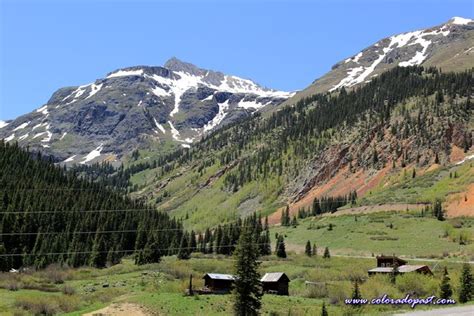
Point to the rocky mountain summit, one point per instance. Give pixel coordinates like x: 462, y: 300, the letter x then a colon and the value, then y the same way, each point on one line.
x: 449, y: 46
x: 137, y: 107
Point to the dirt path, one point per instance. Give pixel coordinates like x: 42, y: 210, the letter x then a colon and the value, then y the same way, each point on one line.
x: 121, y: 309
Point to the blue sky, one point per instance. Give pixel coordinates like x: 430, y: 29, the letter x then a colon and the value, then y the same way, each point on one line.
x: 45, y: 45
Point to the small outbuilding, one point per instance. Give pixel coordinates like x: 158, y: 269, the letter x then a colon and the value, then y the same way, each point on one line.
x: 219, y: 283
x: 275, y: 283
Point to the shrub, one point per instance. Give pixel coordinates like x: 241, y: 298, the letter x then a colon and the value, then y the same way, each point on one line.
x: 68, y: 290
x: 316, y: 291
x: 38, y: 305
x: 338, y: 292
x: 13, y: 285
x: 417, y: 284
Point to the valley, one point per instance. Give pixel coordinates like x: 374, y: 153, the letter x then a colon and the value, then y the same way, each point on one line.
x: 115, y: 193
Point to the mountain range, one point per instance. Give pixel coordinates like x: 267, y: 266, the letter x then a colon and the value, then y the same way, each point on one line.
x: 192, y: 142
x: 140, y: 107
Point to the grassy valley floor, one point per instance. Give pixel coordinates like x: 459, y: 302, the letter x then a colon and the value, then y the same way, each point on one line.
x: 158, y: 289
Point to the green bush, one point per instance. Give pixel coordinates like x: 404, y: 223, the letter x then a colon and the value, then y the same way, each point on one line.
x: 417, y: 284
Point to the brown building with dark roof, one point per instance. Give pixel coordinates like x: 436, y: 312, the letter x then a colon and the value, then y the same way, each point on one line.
x: 275, y: 283
x: 218, y: 283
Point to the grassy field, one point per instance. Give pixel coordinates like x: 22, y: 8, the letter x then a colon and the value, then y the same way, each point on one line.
x: 436, y: 184
x: 404, y: 234
x: 160, y: 287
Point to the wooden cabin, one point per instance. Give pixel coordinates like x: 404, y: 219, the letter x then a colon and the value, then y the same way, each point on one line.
x: 385, y: 265
x: 275, y: 283
x: 218, y: 283
x: 389, y: 261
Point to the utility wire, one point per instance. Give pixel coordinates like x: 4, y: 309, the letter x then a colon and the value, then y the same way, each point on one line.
x: 114, y: 251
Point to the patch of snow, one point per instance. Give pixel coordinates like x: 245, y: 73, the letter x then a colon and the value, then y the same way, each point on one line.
x: 123, y: 73
x: 45, y: 146
x: 22, y: 126
x: 160, y: 92
x: 160, y: 127
x: 9, y: 138
x: 174, y: 132
x: 63, y: 135
x: 250, y: 104
x: 216, y: 120
x: 93, y: 154
x: 70, y: 159
x: 357, y: 57
x: 208, y: 98
x: 23, y: 137
x: 43, y: 109
x: 360, y: 74
x: 181, y: 85
x: 140, y: 103
x: 76, y: 93
x: 48, y: 137
x: 185, y: 145
x: 39, y: 135
x: 351, y: 76
x: 189, y: 140
x: 94, y: 89
x: 3, y: 124
x: 460, y: 21
x: 39, y: 125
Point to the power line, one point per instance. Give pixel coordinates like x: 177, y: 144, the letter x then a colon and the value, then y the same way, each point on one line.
x: 80, y: 211
x: 102, y: 231
x: 142, y: 210
x: 113, y: 251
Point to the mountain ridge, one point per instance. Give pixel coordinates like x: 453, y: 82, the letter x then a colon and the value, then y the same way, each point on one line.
x: 449, y: 46
x: 138, y: 107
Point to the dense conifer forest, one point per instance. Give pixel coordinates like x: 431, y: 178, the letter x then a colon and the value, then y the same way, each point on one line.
x: 48, y: 214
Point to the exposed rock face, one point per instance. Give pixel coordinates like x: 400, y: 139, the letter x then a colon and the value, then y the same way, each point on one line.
x: 137, y: 107
x: 449, y: 46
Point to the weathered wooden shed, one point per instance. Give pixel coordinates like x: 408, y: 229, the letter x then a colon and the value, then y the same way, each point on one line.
x: 276, y: 283
x: 219, y: 283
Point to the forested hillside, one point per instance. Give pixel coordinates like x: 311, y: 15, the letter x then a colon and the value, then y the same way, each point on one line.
x: 406, y: 117
x: 49, y: 215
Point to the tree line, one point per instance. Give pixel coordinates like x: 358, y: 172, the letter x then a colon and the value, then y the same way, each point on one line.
x: 49, y: 215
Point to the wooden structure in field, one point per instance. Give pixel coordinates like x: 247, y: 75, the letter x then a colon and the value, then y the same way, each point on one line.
x: 275, y: 283
x: 386, y: 264
x: 216, y: 283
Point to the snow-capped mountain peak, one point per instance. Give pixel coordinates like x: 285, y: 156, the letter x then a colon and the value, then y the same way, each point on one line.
x: 405, y: 49
x: 137, y: 106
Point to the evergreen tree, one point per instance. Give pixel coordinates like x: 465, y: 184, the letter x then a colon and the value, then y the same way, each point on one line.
x: 326, y: 254
x: 324, y: 312
x: 438, y: 211
x: 184, y: 249
x: 307, y: 250
x: 315, y: 250
x: 356, y: 293
x: 445, y: 287
x: 394, y: 273
x: 247, y: 289
x: 466, y: 284
x: 294, y: 221
x: 280, y: 251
